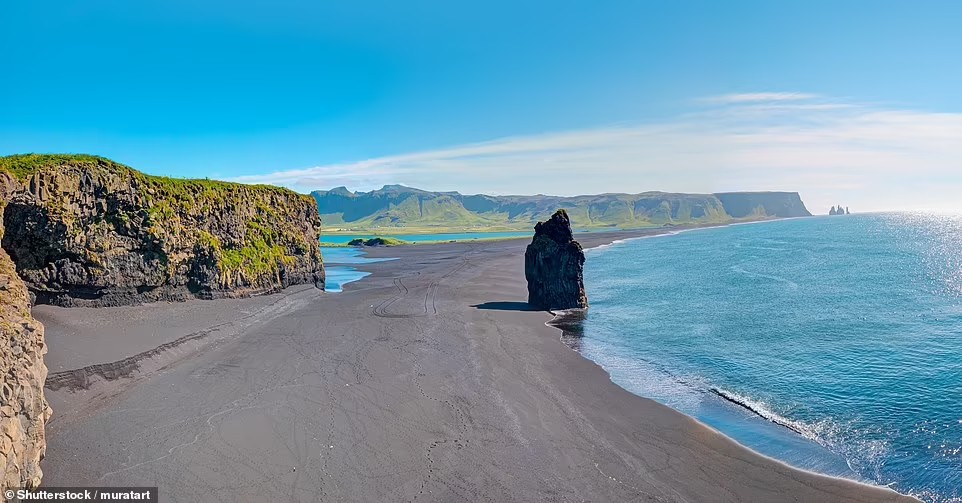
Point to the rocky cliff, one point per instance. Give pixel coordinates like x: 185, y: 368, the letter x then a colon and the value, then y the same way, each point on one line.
x: 553, y: 266
x: 86, y: 231
x: 763, y: 204
x: 23, y: 409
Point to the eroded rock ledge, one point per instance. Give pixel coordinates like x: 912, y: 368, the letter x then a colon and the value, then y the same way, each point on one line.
x: 86, y: 231
x: 554, y: 264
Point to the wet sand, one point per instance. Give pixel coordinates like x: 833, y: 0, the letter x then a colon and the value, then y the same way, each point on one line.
x: 428, y: 381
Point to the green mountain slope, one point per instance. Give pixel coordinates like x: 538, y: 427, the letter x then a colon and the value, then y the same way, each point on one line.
x: 406, y: 208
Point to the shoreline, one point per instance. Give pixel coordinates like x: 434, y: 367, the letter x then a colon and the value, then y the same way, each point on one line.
x: 522, y: 232
x: 562, y: 321
x: 866, y: 484
x: 569, y: 325
x: 427, y: 380
x: 650, y: 233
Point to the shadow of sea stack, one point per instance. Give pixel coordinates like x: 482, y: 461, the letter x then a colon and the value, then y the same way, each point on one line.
x: 553, y: 266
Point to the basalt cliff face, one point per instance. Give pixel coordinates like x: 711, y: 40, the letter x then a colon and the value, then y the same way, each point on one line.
x: 23, y: 409
x: 554, y: 264
x: 85, y: 231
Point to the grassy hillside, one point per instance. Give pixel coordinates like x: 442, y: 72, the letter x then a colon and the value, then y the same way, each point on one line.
x: 408, y: 209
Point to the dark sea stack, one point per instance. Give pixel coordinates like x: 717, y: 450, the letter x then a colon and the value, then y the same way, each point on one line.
x: 86, y: 231
x: 553, y: 265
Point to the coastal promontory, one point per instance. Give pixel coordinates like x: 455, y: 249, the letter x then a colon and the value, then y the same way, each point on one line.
x: 763, y: 204
x: 86, y: 231
x: 554, y: 264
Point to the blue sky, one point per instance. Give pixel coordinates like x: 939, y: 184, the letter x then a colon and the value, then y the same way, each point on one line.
x: 853, y: 101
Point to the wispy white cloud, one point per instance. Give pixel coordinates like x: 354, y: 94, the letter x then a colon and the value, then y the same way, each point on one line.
x: 831, y: 151
x: 757, y: 97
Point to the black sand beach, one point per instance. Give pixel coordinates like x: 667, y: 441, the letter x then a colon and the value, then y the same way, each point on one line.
x: 427, y: 380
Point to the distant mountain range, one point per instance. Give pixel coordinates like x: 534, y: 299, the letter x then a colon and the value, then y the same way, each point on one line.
x: 400, y: 207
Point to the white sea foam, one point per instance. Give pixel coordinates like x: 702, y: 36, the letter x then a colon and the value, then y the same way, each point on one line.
x: 762, y: 409
x: 863, y: 451
x: 650, y: 236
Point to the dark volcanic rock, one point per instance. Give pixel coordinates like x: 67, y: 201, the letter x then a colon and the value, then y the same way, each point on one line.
x: 86, y: 231
x: 23, y: 408
x: 553, y: 266
x: 839, y: 210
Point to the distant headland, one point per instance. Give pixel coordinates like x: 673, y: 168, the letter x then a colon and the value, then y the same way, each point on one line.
x: 400, y: 207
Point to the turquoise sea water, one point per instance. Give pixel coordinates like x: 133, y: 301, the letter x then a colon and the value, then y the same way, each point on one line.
x: 426, y: 238
x: 442, y: 237
x: 338, y: 273
x: 833, y: 343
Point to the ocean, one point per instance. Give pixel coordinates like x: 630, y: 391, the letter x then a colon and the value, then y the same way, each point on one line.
x: 831, y: 343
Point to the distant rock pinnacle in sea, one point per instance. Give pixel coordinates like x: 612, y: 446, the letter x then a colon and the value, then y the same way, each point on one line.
x: 554, y: 264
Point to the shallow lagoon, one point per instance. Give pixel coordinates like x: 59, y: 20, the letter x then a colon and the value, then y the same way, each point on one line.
x: 340, y: 274
x: 426, y: 238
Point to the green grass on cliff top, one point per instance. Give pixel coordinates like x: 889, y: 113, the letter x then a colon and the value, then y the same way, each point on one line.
x: 258, y: 256
x: 24, y: 166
